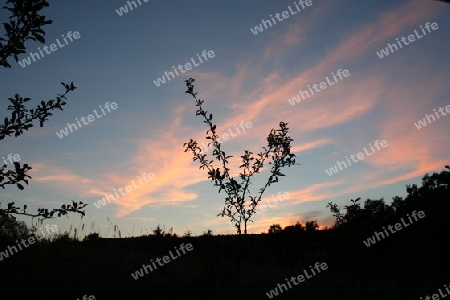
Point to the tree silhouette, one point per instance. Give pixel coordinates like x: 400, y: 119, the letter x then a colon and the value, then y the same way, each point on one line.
x: 10, y: 227
x: 311, y: 226
x: 431, y: 197
x: 22, y: 118
x: 25, y: 23
x: 294, y: 228
x: 274, y: 229
x: 236, y: 206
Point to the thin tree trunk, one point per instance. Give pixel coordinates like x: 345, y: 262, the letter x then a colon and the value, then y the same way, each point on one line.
x: 245, y: 226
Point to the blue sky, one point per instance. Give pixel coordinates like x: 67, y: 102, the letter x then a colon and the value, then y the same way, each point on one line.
x: 250, y: 79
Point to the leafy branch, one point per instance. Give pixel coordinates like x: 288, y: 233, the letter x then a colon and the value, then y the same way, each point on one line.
x: 22, y: 119
x: 24, y: 24
x: 278, y: 151
x: 42, y: 213
x: 14, y: 176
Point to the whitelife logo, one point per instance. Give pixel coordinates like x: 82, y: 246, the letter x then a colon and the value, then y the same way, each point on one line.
x: 225, y: 137
x: 128, y: 189
x: 65, y: 132
x: 124, y: 9
x: 187, y: 66
x: 411, y: 38
x: 423, y: 122
x: 322, y: 267
x: 263, y: 207
x: 27, y: 61
x: 12, y: 158
x: 372, y: 240
x: 323, y: 85
x: 166, y: 259
x: 360, y: 156
x: 85, y: 297
x: 31, y: 240
x: 285, y: 14
x: 437, y: 296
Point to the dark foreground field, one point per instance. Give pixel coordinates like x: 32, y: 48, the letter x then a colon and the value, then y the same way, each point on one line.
x: 406, y: 265
x: 411, y: 263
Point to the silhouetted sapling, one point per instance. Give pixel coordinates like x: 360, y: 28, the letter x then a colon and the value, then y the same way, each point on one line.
x: 236, y: 206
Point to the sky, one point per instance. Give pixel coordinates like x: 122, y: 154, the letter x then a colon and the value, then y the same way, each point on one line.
x: 115, y: 58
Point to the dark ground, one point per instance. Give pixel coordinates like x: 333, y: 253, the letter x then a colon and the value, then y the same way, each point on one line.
x: 406, y: 265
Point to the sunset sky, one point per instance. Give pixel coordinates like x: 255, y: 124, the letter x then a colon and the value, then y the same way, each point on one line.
x: 250, y: 78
